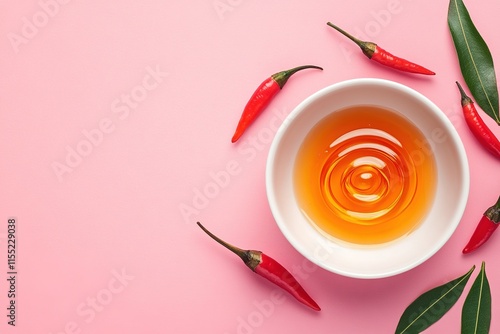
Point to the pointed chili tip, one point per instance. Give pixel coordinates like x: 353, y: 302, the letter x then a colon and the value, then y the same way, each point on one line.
x: 235, y: 138
x: 471, y: 246
x: 315, y: 307
x: 466, y: 250
x: 308, y: 301
x: 425, y: 71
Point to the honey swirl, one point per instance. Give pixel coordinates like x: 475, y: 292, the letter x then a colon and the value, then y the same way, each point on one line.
x: 362, y: 176
x: 366, y: 178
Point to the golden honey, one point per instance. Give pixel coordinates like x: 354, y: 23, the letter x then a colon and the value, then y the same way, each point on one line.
x: 365, y: 175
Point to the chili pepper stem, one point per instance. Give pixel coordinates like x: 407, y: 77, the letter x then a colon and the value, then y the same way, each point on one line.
x: 251, y: 258
x: 465, y: 100
x: 367, y: 47
x: 493, y: 212
x: 282, y: 77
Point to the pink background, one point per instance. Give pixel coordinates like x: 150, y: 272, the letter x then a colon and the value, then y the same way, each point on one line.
x: 103, y: 246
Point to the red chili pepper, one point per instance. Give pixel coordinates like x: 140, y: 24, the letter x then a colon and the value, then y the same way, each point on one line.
x: 268, y: 268
x: 263, y: 96
x: 487, y: 225
x: 476, y: 124
x: 376, y: 53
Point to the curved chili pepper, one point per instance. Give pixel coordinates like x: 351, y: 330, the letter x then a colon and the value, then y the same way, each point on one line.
x: 477, y: 126
x: 376, y: 53
x: 485, y: 228
x: 268, y: 268
x: 263, y: 96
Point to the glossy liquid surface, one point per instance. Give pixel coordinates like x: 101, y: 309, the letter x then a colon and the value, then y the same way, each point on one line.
x: 365, y: 175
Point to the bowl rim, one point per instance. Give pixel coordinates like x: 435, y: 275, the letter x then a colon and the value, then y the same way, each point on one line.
x: 450, y: 130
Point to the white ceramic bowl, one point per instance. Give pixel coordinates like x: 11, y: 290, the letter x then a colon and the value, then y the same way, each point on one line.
x: 374, y: 261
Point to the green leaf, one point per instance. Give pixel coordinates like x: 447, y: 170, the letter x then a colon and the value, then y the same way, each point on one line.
x: 432, y: 305
x: 476, y: 313
x: 475, y: 59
